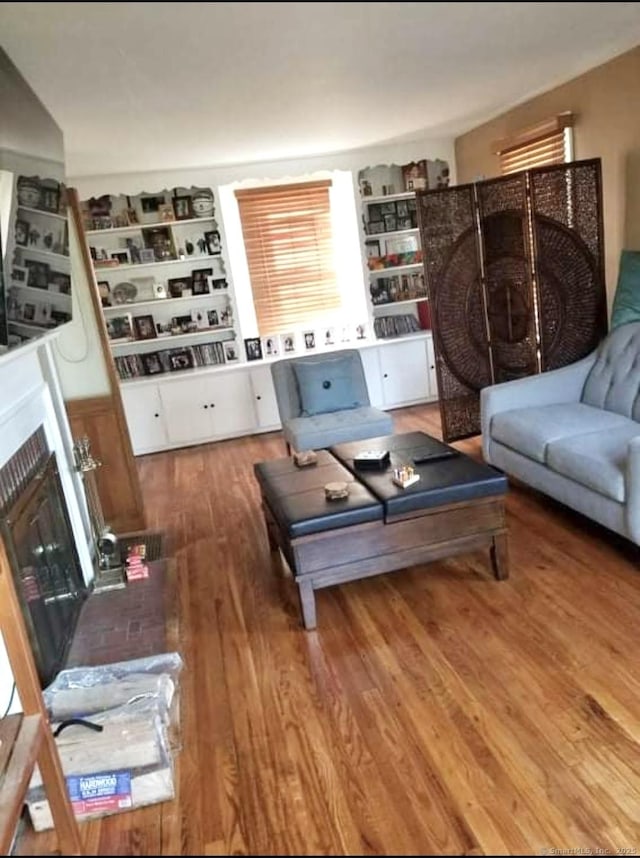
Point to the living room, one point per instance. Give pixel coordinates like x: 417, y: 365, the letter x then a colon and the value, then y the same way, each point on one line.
x: 435, y: 710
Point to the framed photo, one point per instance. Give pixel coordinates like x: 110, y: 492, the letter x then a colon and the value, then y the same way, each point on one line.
x: 405, y: 222
x: 180, y: 359
x: 166, y: 213
x: 375, y: 227
x: 183, y: 324
x: 22, y: 232
x: 160, y: 240
x: 372, y: 249
x: 200, y: 280
x: 212, y: 239
x: 151, y: 203
x: 50, y: 197
x: 253, y: 348
x: 329, y: 335
x: 287, y: 343
x: 151, y: 363
x: 119, y: 328
x: 59, y: 317
x: 387, y: 209
x: 390, y: 223
x: 230, y: 351
x: 182, y: 208
x: 216, y: 283
x: 147, y: 256
x: 178, y: 285
x: 309, y: 340
x: 38, y: 274
x: 144, y: 327
x: 201, y: 318
x: 402, y: 209
x: 213, y: 319
x: 104, y: 290
x: 270, y: 346
x: 121, y: 256
x: 159, y: 290
x: 19, y: 275
x: 29, y: 312
x: 59, y: 282
x: 43, y: 314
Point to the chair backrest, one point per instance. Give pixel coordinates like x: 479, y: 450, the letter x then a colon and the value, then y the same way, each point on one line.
x: 614, y: 381
x: 286, y: 383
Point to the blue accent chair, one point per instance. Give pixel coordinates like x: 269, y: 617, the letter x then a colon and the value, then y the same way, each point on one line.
x: 323, y: 400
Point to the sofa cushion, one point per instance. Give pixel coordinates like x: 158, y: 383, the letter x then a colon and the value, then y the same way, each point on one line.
x: 626, y: 304
x: 596, y: 459
x: 326, y: 385
x: 324, y: 430
x: 531, y: 430
x: 614, y: 379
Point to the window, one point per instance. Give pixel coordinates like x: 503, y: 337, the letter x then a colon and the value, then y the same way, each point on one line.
x: 549, y: 142
x: 289, y: 247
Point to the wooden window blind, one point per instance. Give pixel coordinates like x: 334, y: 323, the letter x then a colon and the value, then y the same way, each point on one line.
x: 289, y: 246
x: 541, y: 145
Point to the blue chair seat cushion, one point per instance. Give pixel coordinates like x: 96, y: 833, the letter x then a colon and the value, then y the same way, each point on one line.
x: 326, y: 385
x: 336, y: 427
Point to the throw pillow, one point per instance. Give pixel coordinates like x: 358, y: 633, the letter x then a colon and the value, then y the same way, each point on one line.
x: 325, y: 385
x: 626, y: 304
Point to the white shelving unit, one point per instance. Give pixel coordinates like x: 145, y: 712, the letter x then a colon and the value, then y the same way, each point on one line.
x: 163, y: 282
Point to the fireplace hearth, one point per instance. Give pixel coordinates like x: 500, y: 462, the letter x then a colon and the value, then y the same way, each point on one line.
x: 37, y: 533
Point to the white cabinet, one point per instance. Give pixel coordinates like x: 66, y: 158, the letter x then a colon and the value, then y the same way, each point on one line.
x: 431, y: 367
x: 371, y: 364
x: 207, y: 407
x: 264, y: 398
x: 404, y: 373
x: 145, y: 418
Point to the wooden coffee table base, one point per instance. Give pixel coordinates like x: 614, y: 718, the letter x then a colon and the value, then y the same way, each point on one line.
x: 359, y: 551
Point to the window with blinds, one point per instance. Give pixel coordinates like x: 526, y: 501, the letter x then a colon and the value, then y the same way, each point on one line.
x: 289, y: 247
x: 549, y: 142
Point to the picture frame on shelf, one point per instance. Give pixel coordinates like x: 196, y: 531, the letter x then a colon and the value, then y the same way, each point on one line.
x: 19, y: 275
x: 160, y: 240
x: 309, y: 338
x: 147, y: 256
x: 119, y: 327
x: 375, y: 227
x: 212, y: 239
x: 329, y: 336
x: 38, y: 273
x: 104, y: 291
x: 166, y: 213
x: 200, y: 317
x: 177, y: 286
x: 182, y: 208
x: 405, y: 222
x: 59, y: 281
x: 21, y: 234
x: 152, y: 363
x: 180, y: 359
x: 214, y: 283
x: 372, y: 249
x: 183, y: 325
x: 123, y: 257
x: 213, y: 318
x: 390, y: 223
x: 151, y: 203
x: 270, y: 346
x: 159, y: 291
x: 253, y: 348
x: 288, y: 343
x: 387, y: 209
x: 50, y: 197
x: 29, y: 311
x: 43, y: 314
x: 230, y: 351
x: 134, y: 244
x: 402, y: 209
x: 144, y: 327
x: 200, y: 280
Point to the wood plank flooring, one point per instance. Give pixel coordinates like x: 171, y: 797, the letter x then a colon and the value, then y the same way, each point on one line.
x: 434, y: 710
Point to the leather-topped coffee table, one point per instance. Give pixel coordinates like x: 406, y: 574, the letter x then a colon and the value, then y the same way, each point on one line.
x: 456, y: 506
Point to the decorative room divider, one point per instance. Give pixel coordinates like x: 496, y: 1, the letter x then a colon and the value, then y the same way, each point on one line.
x: 514, y: 269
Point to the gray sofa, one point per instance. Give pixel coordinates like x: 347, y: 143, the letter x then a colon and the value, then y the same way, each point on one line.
x: 574, y: 433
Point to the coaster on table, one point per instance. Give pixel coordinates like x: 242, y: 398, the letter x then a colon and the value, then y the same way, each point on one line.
x: 336, y: 491
x: 304, y: 458
x: 404, y: 476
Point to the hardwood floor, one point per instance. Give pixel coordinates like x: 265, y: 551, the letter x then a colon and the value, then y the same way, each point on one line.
x: 433, y: 711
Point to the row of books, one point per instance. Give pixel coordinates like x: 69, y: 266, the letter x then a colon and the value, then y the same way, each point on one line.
x: 395, y: 326
x: 170, y: 360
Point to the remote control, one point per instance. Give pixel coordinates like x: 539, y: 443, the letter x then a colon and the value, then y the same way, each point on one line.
x: 423, y: 458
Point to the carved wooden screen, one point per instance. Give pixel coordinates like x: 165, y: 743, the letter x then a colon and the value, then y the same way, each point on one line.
x: 515, y: 274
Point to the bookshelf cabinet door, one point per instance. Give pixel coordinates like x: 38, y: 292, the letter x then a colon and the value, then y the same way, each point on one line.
x: 145, y: 418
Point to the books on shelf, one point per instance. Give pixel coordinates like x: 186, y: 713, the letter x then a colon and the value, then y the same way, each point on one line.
x: 169, y: 360
x: 395, y: 326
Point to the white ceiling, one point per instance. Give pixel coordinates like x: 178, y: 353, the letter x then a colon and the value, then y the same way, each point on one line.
x: 142, y: 86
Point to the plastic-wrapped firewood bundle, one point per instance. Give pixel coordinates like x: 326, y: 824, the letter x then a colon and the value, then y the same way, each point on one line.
x: 115, y: 728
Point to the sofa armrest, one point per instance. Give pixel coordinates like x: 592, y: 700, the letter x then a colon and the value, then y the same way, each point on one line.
x: 548, y: 388
x: 633, y: 489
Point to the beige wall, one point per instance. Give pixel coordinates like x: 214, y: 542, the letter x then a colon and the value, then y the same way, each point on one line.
x: 606, y: 103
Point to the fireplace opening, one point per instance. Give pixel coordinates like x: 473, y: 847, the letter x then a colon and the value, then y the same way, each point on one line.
x: 35, y: 526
